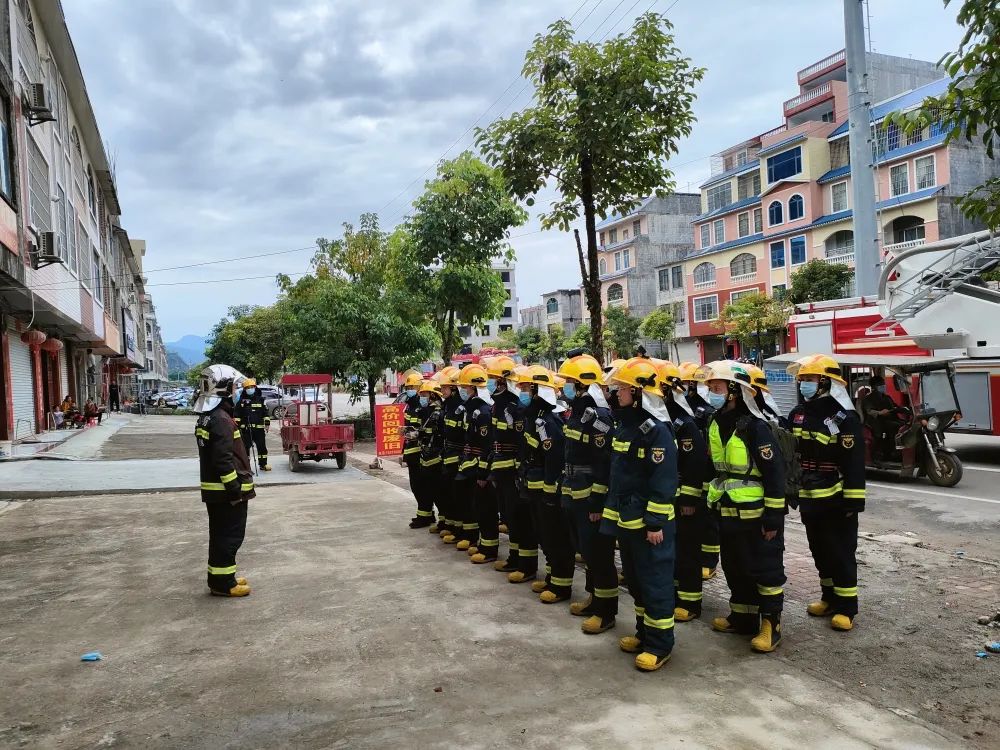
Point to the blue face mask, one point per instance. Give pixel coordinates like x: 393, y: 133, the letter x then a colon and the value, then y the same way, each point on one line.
x: 569, y: 391
x: 716, y: 400
x: 464, y: 395
x: 424, y: 400
x: 410, y: 393
x: 251, y: 391
x: 236, y: 397
x: 880, y: 388
x: 808, y: 389
x: 491, y: 386
x: 524, y: 398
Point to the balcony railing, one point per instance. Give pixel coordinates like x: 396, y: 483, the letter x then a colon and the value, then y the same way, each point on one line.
x: 806, y: 73
x: 899, y: 247
x: 699, y: 285
x: 743, y: 278
x: 774, y: 131
x: 805, y: 98
x: 841, y: 258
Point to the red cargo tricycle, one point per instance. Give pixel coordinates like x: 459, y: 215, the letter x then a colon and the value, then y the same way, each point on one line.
x: 308, y: 432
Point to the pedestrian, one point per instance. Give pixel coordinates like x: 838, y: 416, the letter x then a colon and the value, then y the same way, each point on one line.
x: 411, y: 443
x: 694, y: 470
x: 226, y: 478
x: 588, y: 434
x: 881, y: 412
x: 697, y: 398
x: 748, y: 494
x: 477, y: 500
x: 113, y: 397
x: 431, y: 442
x: 505, y: 417
x: 831, y: 450
x: 530, y: 463
x: 253, y: 419
x: 453, y: 418
x: 640, y: 507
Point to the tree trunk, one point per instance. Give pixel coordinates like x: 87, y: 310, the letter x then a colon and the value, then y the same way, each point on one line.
x: 372, y: 380
x: 449, y: 338
x: 760, y: 351
x: 591, y: 282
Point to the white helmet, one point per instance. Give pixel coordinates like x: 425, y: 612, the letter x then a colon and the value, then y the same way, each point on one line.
x: 217, y: 382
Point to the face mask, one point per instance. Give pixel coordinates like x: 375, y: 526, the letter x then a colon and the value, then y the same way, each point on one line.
x: 569, y: 391
x: 716, y: 400
x: 524, y: 398
x: 807, y: 389
x: 251, y: 391
x: 410, y: 393
x: 880, y: 388
x: 702, y: 390
x: 236, y: 397
x: 491, y: 386
x: 424, y: 400
x: 464, y: 395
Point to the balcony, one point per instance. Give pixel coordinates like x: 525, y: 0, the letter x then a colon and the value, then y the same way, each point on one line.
x: 743, y: 278
x: 700, y: 285
x: 823, y: 66
x: 808, y: 99
x: 845, y: 258
x: 899, y: 247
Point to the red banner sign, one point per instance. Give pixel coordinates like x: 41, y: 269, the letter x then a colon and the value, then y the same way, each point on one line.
x: 389, y: 429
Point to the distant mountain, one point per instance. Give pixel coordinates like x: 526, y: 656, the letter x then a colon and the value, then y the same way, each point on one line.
x: 177, y: 366
x: 190, y: 348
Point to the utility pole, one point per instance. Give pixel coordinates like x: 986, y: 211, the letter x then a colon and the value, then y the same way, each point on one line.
x: 866, y: 251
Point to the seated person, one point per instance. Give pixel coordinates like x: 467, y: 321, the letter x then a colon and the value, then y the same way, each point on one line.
x: 57, y: 417
x: 881, y: 412
x: 92, y: 411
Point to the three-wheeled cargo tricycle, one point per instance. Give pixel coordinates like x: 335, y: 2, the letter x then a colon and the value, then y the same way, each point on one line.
x: 308, y: 432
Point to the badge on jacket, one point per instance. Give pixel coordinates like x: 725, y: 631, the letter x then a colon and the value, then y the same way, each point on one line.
x: 599, y: 440
x: 546, y: 444
x: 519, y: 425
x: 687, y: 445
x: 658, y: 454
x: 847, y: 441
x: 766, y: 452
x: 484, y: 430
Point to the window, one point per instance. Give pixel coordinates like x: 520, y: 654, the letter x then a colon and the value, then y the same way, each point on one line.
x: 91, y: 194
x: 505, y: 277
x: 507, y: 312
x: 615, y: 293
x: 465, y: 331
x: 505, y: 327
x: 839, y: 197
x: 6, y: 152
x: 625, y: 257
x: 624, y: 235
x: 664, y: 279
x: 704, y: 273
x: 924, y: 170
x: 827, y: 117
x: 602, y: 238
x: 719, y: 229
x: 748, y: 185
x: 552, y: 305
x: 743, y: 222
x: 720, y: 196
x: 840, y: 153
x: 38, y: 187
x: 618, y: 261
x: 743, y: 264
x: 914, y: 137
x: 735, y: 296
x: 706, y: 308
x: 758, y: 221
x: 95, y: 272
x: 602, y: 267
x: 778, y: 291
x: 506, y: 293
x: 680, y: 312
x: 612, y: 236
x: 775, y: 213
x: 636, y: 228
x: 677, y: 277
x: 777, y: 255
x: 899, y: 180
x: 706, y: 239
x: 796, y: 208
x: 908, y: 229
x: 484, y: 331
x: 784, y: 165
x: 840, y: 244
x: 797, y: 249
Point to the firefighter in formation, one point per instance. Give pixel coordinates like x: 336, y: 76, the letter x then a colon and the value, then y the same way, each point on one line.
x: 675, y: 466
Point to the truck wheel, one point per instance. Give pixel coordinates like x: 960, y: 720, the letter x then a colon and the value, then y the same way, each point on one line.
x: 293, y: 460
x: 341, y: 460
x: 948, y: 472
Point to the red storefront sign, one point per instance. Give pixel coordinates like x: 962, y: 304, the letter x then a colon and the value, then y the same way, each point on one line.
x: 389, y: 429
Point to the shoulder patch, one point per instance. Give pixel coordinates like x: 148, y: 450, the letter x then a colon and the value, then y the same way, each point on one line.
x: 546, y: 444
x: 460, y: 409
x: 484, y: 430
x: 519, y: 425
x: 600, y: 440
x: 799, y: 418
x: 687, y: 445
x: 475, y: 414
x: 847, y: 441
x: 658, y: 454
x: 767, y: 452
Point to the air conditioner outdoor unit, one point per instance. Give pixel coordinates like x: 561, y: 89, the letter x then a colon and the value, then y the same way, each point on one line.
x: 38, y: 109
x: 45, y: 253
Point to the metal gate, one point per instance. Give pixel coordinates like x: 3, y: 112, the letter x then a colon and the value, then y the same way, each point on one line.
x: 23, y: 387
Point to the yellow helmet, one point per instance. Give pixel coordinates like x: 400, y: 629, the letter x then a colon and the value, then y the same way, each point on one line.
x: 669, y: 375
x: 724, y: 369
x: 472, y: 375
x: 558, y: 380
x: 429, y: 386
x: 638, y: 372
x: 582, y: 369
x: 538, y: 375
x: 520, y: 374
x: 818, y: 364
x: 249, y: 383
x: 758, y: 378
x: 500, y: 366
x: 413, y: 379
x: 688, y: 371
x: 445, y: 374
x: 615, y: 363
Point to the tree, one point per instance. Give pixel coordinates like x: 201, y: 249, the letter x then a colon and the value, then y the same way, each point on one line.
x: 459, y: 228
x: 555, y: 345
x: 659, y: 325
x: 531, y: 344
x: 818, y: 281
x: 194, y: 374
x: 606, y: 118
x: 579, y: 339
x: 254, y: 340
x: 755, y: 321
x: 621, y: 332
x: 970, y: 106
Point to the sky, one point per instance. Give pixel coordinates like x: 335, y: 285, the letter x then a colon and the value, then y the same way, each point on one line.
x: 247, y: 127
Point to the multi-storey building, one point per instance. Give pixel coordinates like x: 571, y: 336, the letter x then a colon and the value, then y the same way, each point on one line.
x: 782, y: 198
x: 474, y: 337
x: 533, y: 316
x: 72, y: 291
x: 560, y: 308
x: 156, y: 373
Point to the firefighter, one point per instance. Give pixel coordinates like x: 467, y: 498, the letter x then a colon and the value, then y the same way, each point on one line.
x: 588, y: 434
x: 748, y: 494
x: 522, y: 522
x: 435, y: 479
x: 697, y: 398
x: 640, y: 507
x: 453, y: 421
x: 694, y: 472
x: 226, y: 479
x: 252, y: 417
x: 831, y: 448
x: 507, y: 414
x: 411, y: 445
x: 431, y: 442
x: 477, y: 501
x: 763, y: 398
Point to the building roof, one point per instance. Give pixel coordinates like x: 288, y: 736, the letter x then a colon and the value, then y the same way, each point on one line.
x: 775, y: 147
x: 752, y: 201
x: 902, y: 102
x: 749, y: 240
x: 834, y: 174
x: 723, y: 176
x: 615, y: 218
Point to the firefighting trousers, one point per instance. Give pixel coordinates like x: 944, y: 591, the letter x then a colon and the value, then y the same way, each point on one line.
x: 505, y: 483
x: 523, y: 531
x: 465, y: 509
x: 598, y: 552
x: 649, y: 572
x: 428, y: 489
x: 833, y: 541
x: 554, y: 531
x: 485, y: 502
x: 259, y: 439
x: 755, y: 572
x: 418, y: 486
x: 687, y: 566
x: 710, y: 541
x: 227, y: 526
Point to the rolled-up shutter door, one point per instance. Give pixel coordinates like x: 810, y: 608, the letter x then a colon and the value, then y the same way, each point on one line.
x: 23, y: 387
x: 63, y: 374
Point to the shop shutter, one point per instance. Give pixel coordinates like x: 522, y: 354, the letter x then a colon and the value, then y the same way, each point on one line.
x: 23, y: 387
x: 63, y: 374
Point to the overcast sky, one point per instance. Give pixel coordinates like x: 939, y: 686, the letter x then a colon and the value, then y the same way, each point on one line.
x: 241, y: 127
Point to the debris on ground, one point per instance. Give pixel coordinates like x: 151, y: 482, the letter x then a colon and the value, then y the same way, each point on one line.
x: 981, y: 654
x: 994, y: 647
x: 92, y: 656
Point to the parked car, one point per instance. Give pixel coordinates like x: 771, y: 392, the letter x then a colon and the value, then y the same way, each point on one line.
x: 275, y: 400
x: 172, y: 400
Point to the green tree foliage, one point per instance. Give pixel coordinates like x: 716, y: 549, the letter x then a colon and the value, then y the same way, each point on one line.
x: 580, y: 338
x: 605, y: 120
x: 756, y: 321
x: 254, y: 340
x: 970, y: 107
x: 459, y: 228
x: 818, y: 281
x: 659, y: 326
x: 555, y: 345
x: 193, y: 376
x: 531, y: 345
x: 621, y: 332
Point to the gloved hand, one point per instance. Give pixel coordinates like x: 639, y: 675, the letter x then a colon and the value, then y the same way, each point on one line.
x: 233, y: 491
x: 771, y: 523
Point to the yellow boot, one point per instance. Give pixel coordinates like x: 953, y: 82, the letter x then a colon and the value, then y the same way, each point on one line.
x: 596, y: 624
x: 500, y: 565
x: 579, y: 609
x: 502, y: 528
x: 463, y: 545
x: 769, y: 636
x: 445, y: 532
x: 842, y: 622
x: 579, y: 557
x: 450, y: 539
x: 434, y: 529
x: 647, y: 662
x: 240, y: 589
x: 240, y: 581
x: 707, y: 574
x: 820, y: 609
x: 519, y: 577
x: 472, y: 550
x: 479, y: 558
x: 551, y: 597
x: 629, y: 644
x: 723, y: 625
x: 684, y: 615
x: 538, y: 586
